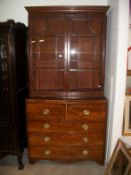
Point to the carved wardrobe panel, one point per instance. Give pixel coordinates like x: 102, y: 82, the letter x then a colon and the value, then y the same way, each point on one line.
x: 13, y: 88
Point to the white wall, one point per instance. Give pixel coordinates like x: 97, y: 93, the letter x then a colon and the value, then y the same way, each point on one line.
x: 115, y: 80
x: 14, y: 9
x: 128, y: 79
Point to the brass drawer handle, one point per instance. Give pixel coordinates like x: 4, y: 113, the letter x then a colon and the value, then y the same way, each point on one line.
x: 46, y: 125
x: 47, y: 152
x: 46, y: 138
x: 86, y: 112
x: 45, y: 111
x: 85, y: 152
x: 85, y: 126
x: 85, y: 139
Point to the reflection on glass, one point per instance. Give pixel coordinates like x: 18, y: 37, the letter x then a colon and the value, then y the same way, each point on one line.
x: 60, y: 56
x: 72, y: 51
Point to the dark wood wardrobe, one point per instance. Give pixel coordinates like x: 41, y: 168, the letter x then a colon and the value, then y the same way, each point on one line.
x: 66, y: 109
x: 13, y: 88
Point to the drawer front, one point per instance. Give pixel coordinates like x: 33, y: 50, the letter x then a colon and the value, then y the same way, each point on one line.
x: 92, y: 111
x: 68, y: 152
x: 41, y: 126
x: 45, y: 110
x: 85, y: 152
x: 65, y: 139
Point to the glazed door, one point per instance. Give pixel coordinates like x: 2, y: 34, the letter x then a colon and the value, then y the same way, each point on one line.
x: 48, y: 56
x: 85, y: 57
x: 66, y: 56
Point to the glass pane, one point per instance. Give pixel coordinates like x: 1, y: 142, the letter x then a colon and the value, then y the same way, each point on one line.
x: 50, y: 53
x: 83, y: 79
x: 49, y: 79
x: 86, y: 26
x: 85, y: 52
x: 42, y: 24
x: 49, y: 61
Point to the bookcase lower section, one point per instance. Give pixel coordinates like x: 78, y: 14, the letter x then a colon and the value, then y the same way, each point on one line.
x: 66, y: 130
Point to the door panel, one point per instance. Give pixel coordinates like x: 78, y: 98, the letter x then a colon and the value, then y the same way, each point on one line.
x: 4, y: 77
x: 6, y: 142
x: 48, y: 54
x: 85, y: 55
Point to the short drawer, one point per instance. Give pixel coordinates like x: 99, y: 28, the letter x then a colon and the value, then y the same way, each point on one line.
x: 67, y: 152
x: 41, y: 126
x: 59, y: 138
x: 93, y: 111
x: 45, y: 110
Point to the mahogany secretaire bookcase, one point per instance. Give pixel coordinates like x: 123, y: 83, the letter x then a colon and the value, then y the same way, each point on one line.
x: 66, y: 109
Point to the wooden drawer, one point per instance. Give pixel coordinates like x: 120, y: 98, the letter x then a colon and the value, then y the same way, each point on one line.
x: 67, y: 152
x: 42, y: 126
x: 92, y: 111
x: 85, y: 152
x: 59, y: 138
x: 45, y: 110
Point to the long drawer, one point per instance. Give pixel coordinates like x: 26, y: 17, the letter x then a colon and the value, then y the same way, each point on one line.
x: 42, y: 126
x: 67, y: 152
x: 65, y: 138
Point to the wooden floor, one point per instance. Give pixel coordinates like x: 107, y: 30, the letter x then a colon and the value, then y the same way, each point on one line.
x: 8, y: 166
